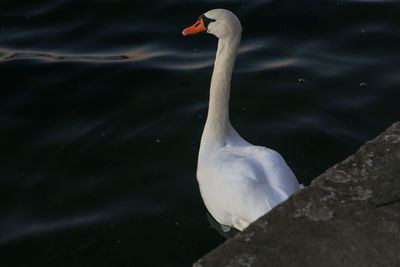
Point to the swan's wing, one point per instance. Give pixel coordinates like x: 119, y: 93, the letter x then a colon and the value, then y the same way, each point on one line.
x: 259, y: 168
x: 243, y: 195
x: 278, y: 174
x: 238, y: 165
x: 239, y: 184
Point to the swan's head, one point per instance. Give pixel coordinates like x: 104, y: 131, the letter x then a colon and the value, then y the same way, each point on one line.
x: 219, y: 22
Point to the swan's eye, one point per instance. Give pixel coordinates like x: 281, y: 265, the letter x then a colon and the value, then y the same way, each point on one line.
x: 206, y: 20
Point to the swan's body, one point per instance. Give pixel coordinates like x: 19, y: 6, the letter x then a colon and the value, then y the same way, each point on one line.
x: 239, y: 182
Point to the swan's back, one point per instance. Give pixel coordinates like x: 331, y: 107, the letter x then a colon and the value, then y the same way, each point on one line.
x: 241, y: 183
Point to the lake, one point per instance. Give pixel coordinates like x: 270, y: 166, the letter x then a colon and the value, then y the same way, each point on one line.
x: 103, y: 104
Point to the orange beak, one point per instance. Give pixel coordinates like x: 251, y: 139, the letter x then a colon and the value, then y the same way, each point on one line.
x: 195, y: 28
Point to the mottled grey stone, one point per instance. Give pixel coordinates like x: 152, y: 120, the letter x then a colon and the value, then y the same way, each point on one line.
x: 348, y: 216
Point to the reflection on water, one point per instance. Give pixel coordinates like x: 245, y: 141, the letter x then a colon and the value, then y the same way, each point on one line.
x: 32, y: 228
x: 132, y: 55
x: 279, y: 63
x: 103, y: 104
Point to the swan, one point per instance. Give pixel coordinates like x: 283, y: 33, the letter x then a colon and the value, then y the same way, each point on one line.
x: 239, y: 182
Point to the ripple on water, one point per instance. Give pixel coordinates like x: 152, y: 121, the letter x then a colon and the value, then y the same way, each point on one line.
x: 16, y: 230
x: 139, y: 54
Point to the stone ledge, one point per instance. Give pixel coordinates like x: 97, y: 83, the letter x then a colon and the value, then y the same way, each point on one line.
x: 348, y: 216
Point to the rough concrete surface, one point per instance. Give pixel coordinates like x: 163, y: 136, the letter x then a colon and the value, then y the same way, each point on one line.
x: 348, y: 216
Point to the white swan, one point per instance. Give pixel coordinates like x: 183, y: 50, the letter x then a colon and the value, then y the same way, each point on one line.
x: 239, y: 182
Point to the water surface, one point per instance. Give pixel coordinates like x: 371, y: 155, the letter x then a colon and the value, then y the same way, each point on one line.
x: 103, y: 104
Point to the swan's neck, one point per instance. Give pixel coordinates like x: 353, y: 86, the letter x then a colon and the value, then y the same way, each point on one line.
x: 218, y: 130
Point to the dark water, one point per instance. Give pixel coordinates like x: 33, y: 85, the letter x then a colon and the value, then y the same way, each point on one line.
x: 103, y: 105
